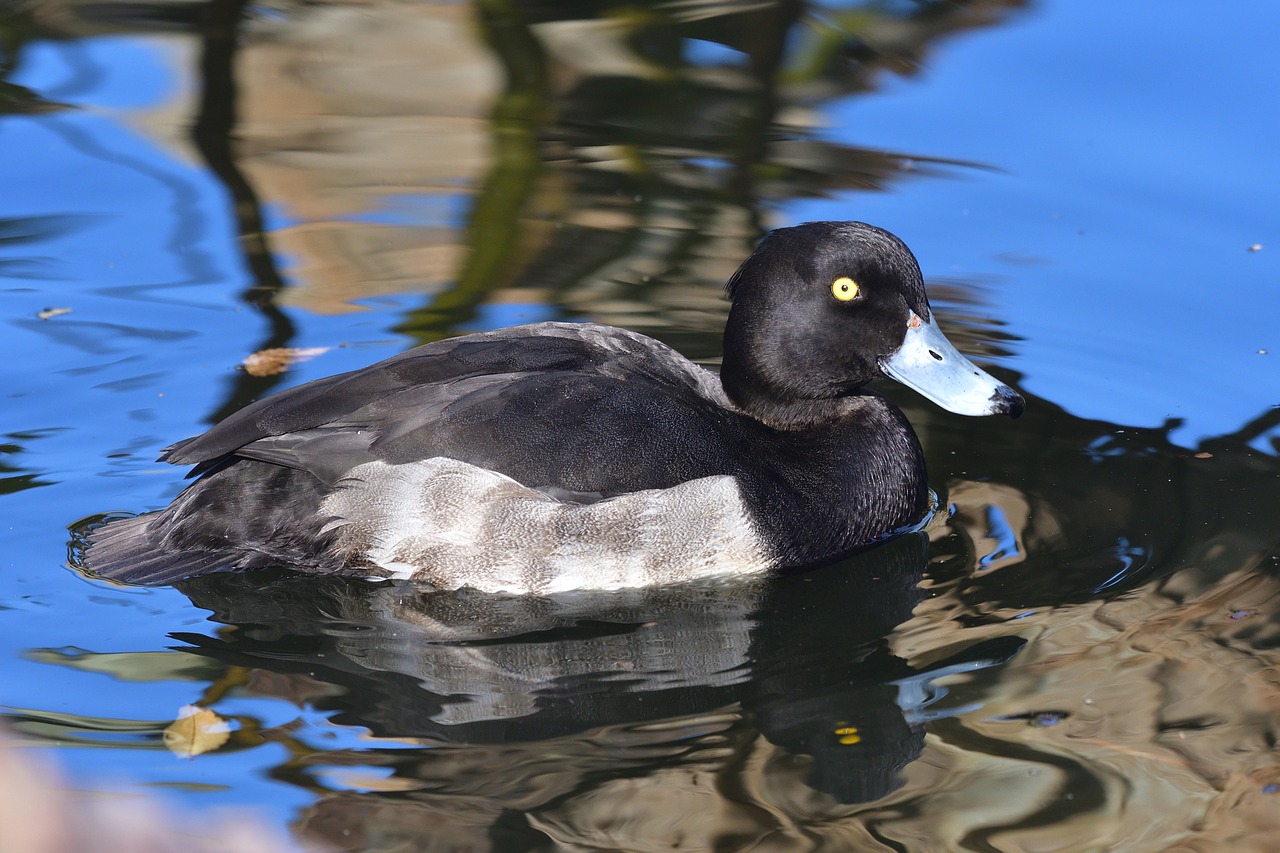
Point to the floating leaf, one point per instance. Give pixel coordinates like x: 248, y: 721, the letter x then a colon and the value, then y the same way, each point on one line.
x: 269, y: 362
x: 196, y: 730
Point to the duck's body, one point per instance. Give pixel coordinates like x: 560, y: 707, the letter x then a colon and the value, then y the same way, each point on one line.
x: 558, y: 456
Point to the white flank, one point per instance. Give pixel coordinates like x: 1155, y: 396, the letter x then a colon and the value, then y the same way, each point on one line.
x: 453, y: 525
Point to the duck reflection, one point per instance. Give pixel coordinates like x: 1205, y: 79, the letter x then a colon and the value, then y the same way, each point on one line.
x: 514, y: 690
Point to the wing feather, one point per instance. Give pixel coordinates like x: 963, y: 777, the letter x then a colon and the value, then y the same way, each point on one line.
x: 574, y: 407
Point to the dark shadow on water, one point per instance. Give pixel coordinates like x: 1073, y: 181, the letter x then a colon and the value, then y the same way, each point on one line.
x: 1099, y: 507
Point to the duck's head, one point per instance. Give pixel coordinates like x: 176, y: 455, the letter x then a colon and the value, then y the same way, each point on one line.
x: 821, y: 309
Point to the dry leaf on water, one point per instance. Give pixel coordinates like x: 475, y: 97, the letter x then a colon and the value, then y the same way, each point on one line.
x: 196, y: 730
x: 269, y: 362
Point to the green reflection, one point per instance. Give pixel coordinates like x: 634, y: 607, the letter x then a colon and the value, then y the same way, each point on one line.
x: 493, y: 233
x: 85, y: 730
x: 130, y: 666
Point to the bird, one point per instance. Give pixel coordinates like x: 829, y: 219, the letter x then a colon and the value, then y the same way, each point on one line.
x: 555, y: 456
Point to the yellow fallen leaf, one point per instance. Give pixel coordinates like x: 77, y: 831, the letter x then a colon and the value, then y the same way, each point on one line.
x: 196, y: 730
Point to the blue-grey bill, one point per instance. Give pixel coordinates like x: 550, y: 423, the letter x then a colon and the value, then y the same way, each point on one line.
x: 928, y: 363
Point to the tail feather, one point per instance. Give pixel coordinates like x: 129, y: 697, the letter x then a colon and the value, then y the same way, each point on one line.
x: 125, y: 551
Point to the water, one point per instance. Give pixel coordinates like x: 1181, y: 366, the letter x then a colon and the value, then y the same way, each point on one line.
x: 1078, y: 654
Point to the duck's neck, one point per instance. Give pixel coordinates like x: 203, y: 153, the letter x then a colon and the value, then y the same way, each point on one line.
x: 782, y: 406
x: 851, y: 479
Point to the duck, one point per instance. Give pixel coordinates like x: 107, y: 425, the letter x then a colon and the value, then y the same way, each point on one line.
x: 556, y: 456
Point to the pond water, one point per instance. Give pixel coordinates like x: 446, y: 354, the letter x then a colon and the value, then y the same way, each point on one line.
x: 1079, y: 653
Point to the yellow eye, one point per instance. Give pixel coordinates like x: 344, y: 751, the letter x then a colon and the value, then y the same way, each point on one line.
x: 844, y: 288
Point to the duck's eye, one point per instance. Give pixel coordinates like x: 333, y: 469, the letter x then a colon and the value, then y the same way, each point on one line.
x: 844, y: 288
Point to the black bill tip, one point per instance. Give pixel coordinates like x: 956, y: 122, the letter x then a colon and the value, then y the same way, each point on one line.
x: 1006, y: 401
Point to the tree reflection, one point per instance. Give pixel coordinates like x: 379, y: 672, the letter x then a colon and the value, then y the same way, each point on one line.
x: 634, y: 151
x: 657, y: 138
x: 214, y: 133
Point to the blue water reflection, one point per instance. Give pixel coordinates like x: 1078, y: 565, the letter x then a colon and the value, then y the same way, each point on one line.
x: 110, y: 72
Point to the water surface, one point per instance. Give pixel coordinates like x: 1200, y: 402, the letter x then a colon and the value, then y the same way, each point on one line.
x: 1077, y: 654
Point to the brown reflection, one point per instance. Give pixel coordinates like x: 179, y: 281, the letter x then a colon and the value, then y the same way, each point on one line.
x: 529, y: 133
x: 1147, y: 587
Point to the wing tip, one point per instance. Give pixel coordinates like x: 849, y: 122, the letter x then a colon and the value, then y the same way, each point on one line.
x: 124, y: 551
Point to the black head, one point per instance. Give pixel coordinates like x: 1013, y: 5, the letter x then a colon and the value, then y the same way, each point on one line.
x: 819, y: 309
